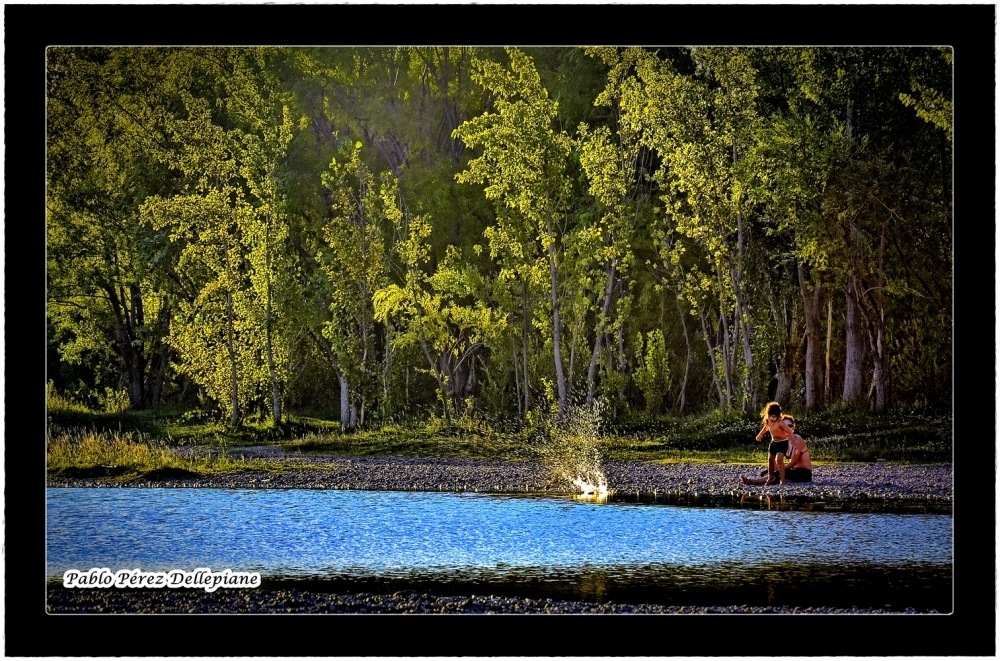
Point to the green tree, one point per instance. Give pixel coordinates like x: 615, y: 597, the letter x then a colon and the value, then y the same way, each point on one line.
x: 446, y: 313
x: 255, y: 98
x: 110, y: 279
x: 653, y: 372
x: 523, y: 164
x: 612, y: 162
x: 699, y: 125
x: 217, y: 335
x: 355, y: 261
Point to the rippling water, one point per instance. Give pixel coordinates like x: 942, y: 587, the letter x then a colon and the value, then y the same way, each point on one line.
x: 397, y: 539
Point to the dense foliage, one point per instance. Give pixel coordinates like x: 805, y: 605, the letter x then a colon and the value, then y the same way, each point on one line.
x: 385, y: 234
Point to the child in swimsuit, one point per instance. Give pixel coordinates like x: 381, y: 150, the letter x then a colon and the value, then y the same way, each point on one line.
x: 778, y: 449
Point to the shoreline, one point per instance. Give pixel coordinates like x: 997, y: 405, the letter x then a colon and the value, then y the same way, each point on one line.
x: 916, y: 484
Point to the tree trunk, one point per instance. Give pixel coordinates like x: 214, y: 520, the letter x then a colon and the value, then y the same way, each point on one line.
x: 235, y: 418
x: 556, y: 334
x: 829, y: 334
x: 814, y: 368
x: 599, y: 332
x: 723, y: 398
x: 524, y: 345
x: 517, y: 380
x: 153, y: 385
x: 620, y: 333
x: 875, y: 325
x: 880, y: 376
x: 434, y: 368
x: 853, y: 386
x: 724, y: 339
x: 743, y: 320
x: 386, y: 368
x: 345, y: 403
x: 127, y: 324
x: 275, y: 393
x: 572, y: 359
x: 784, y: 357
x: 854, y: 389
x: 682, y: 397
x: 137, y: 362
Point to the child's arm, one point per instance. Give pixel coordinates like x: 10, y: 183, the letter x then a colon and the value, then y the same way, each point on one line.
x: 762, y: 432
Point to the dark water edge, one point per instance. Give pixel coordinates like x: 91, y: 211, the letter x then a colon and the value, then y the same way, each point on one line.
x: 923, y: 587
x: 765, y: 501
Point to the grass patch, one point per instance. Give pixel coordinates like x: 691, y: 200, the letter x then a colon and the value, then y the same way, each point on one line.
x: 187, y: 427
x: 833, y: 437
x: 82, y: 453
x: 460, y: 442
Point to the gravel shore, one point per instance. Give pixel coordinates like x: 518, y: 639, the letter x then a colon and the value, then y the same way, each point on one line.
x: 930, y: 484
x: 62, y: 600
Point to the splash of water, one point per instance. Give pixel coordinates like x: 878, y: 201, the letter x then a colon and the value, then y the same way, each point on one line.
x: 597, y: 489
x: 570, y: 447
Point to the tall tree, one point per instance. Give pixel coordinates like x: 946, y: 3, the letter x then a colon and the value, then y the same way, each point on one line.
x: 355, y: 260
x: 108, y: 275
x: 611, y: 160
x: 255, y: 98
x: 700, y: 126
x: 523, y: 164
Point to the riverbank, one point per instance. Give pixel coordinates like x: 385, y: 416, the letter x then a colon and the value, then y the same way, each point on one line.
x: 63, y: 600
x: 871, y: 482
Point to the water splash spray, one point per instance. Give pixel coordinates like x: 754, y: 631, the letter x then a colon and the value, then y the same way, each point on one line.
x: 570, y: 447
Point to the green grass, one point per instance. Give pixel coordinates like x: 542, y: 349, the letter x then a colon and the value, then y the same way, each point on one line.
x: 832, y: 436
x: 183, y: 427
x: 470, y: 442
x: 130, y: 455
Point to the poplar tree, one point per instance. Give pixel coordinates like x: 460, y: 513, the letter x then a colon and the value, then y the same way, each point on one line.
x: 523, y: 163
x: 355, y: 261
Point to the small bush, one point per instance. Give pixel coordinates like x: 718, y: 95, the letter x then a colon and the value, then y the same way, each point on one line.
x: 114, y: 401
x: 61, y: 403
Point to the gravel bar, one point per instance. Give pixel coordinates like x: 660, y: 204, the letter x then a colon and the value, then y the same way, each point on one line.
x: 930, y: 484
x: 63, y: 600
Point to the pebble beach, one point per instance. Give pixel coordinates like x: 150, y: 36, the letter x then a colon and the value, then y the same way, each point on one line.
x: 878, y: 481
x: 63, y: 600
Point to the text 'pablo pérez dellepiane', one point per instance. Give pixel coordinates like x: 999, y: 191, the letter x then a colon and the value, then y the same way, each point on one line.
x: 202, y: 577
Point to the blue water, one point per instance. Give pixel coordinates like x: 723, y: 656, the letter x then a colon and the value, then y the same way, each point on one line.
x: 311, y: 533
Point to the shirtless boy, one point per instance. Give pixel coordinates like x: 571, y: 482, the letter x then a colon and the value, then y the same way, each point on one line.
x: 778, y: 449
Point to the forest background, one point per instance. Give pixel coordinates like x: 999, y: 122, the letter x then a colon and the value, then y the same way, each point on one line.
x: 391, y: 236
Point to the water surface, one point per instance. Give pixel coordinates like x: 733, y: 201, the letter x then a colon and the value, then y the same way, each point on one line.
x: 543, y: 545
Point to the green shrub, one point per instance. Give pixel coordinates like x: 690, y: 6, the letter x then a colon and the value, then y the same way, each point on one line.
x: 61, y: 403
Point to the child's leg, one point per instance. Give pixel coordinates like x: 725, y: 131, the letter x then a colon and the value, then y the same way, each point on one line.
x: 779, y: 464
